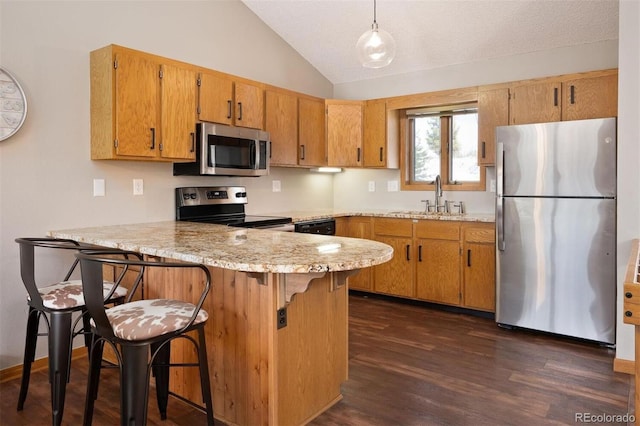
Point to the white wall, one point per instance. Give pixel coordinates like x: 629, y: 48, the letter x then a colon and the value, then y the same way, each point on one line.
x: 45, y: 169
x: 628, y: 157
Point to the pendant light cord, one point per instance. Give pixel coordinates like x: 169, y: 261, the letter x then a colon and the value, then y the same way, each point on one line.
x: 374, y: 12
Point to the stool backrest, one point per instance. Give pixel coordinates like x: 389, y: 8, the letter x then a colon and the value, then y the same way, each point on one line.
x: 92, y: 264
x: 27, y: 261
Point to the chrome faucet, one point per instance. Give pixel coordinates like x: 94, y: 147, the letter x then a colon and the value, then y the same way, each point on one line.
x: 438, y: 191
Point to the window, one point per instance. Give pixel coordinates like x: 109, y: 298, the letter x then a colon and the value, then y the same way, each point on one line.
x: 443, y: 141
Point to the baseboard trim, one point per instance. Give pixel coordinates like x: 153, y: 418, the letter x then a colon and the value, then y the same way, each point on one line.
x: 15, y: 372
x: 624, y: 366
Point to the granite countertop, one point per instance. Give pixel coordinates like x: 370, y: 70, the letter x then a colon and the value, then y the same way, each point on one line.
x: 303, y: 215
x: 240, y: 249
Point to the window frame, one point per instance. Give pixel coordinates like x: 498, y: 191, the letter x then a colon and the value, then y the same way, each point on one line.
x: 407, y: 168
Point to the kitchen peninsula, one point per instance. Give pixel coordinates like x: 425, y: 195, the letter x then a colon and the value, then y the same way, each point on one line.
x: 278, y: 306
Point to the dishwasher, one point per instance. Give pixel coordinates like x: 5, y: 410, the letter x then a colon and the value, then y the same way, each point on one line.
x: 325, y: 226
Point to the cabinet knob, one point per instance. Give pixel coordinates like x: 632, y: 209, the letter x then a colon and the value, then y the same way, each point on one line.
x: 628, y: 314
x: 628, y: 295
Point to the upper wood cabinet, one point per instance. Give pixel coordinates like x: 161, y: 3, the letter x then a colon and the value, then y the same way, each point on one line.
x: 312, y: 139
x: 568, y: 97
x: 296, y: 127
x: 344, y: 133
x: 224, y: 100
x: 381, y: 143
x: 281, y: 121
x: 493, y: 110
x: 143, y: 107
x: 591, y: 97
x: 535, y: 103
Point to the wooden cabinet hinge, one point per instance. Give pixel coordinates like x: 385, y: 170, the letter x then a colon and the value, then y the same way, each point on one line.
x: 115, y: 143
x: 199, y: 81
x: 115, y: 64
x: 160, y: 73
x: 160, y: 146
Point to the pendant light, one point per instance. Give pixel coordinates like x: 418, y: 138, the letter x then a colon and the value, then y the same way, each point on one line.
x: 376, y: 48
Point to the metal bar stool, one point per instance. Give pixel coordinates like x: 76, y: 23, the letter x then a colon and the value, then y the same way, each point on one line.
x: 140, y: 333
x: 55, y: 303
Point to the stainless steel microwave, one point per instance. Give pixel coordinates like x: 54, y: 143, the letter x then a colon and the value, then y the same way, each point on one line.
x: 227, y: 151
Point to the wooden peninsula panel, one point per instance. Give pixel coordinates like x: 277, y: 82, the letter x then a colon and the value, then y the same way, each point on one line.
x: 260, y: 374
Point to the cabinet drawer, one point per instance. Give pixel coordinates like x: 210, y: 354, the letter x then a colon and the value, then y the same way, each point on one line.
x: 438, y: 230
x: 485, y: 234
x: 393, y: 227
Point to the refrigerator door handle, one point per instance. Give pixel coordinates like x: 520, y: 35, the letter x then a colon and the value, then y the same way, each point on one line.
x: 499, y: 196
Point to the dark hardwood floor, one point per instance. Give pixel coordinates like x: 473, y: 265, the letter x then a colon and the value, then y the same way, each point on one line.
x: 411, y: 365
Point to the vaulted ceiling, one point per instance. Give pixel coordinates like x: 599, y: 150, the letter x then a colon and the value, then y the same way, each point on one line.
x: 433, y: 33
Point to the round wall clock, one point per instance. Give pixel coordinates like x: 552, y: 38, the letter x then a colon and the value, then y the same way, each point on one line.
x: 13, y: 105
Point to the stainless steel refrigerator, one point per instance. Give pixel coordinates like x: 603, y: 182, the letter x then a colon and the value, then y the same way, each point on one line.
x: 556, y: 228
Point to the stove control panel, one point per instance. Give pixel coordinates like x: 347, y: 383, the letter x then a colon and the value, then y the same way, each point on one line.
x: 206, y: 195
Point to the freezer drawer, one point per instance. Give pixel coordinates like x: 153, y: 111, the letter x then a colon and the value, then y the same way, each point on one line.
x: 556, y: 271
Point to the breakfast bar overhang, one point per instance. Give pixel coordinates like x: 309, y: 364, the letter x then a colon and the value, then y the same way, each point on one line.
x: 278, y: 330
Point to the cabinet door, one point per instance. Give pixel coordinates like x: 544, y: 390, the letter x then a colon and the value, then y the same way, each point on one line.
x: 360, y: 227
x: 311, y: 132
x: 178, y: 109
x: 396, y: 276
x: 249, y: 106
x: 480, y: 276
x: 493, y: 110
x: 375, y: 133
x: 215, y: 99
x: 136, y: 109
x: 535, y: 103
x: 479, y: 266
x: 344, y: 134
x: 438, y: 271
x: 281, y: 121
x: 585, y: 98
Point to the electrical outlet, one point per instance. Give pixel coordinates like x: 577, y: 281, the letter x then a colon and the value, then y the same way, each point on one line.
x: 492, y: 185
x: 98, y: 188
x: 282, y: 317
x: 392, y: 186
x: 372, y: 186
x: 275, y: 186
x: 138, y: 187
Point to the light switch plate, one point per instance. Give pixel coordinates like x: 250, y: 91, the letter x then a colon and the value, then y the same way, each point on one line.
x: 392, y: 186
x: 275, y: 186
x: 372, y: 186
x: 98, y: 188
x: 492, y: 185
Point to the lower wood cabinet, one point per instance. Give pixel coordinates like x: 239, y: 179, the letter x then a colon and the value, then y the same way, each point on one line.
x: 357, y: 227
x: 438, y: 262
x: 479, y: 260
x: 447, y: 262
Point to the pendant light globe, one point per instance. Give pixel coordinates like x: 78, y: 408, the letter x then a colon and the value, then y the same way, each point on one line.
x: 376, y: 48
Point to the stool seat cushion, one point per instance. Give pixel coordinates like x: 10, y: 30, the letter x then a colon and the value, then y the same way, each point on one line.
x: 68, y: 294
x: 145, y: 319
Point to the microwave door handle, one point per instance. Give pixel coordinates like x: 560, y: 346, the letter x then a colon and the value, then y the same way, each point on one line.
x: 252, y: 156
